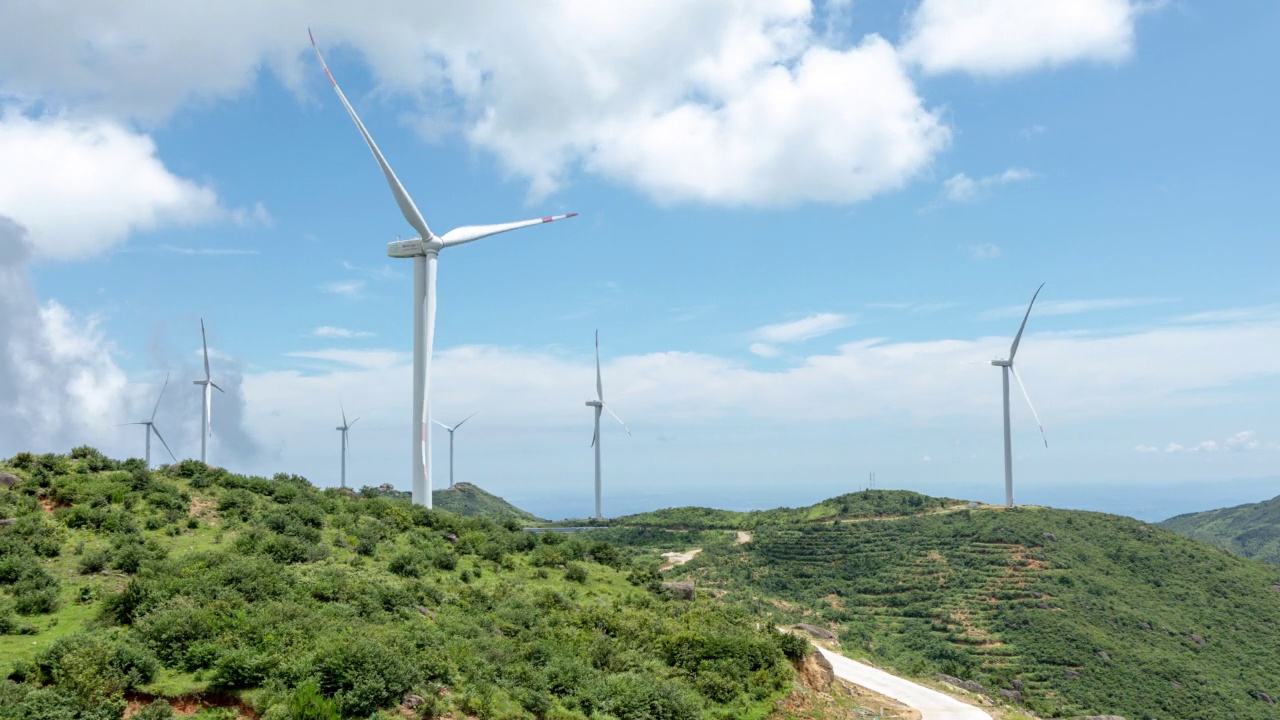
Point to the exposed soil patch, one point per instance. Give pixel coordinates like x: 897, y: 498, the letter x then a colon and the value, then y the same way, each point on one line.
x: 203, y: 508
x: 673, y: 558
x: 742, y: 538
x: 191, y: 704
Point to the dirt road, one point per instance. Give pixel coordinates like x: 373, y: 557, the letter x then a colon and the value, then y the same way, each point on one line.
x: 932, y: 704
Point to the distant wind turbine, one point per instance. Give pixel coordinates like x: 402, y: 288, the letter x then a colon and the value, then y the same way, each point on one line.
x: 1007, y: 366
x: 424, y: 250
x: 451, y: 429
x: 209, y: 386
x: 150, y: 426
x: 343, y: 429
x: 599, y: 404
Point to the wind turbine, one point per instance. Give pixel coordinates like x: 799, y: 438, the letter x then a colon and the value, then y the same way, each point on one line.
x: 599, y: 404
x: 424, y: 250
x: 345, y: 427
x: 451, y: 429
x: 209, y: 385
x: 1007, y: 366
x: 151, y: 426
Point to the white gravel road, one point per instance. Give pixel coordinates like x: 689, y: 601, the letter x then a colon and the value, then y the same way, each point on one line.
x: 932, y: 704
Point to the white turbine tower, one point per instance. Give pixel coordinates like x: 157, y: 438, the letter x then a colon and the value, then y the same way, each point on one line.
x: 424, y: 250
x: 451, y: 429
x: 599, y: 404
x: 1007, y: 367
x: 343, y: 429
x: 151, y: 426
x: 209, y: 385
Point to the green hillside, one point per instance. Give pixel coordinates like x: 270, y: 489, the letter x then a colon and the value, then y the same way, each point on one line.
x: 269, y: 596
x: 867, y: 504
x: 1252, y: 530
x: 1080, y: 613
x: 469, y: 500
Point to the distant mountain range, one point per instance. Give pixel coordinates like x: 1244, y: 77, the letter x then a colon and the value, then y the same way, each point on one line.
x: 1251, y: 530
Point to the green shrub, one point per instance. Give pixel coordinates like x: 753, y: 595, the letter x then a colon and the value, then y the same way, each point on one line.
x: 94, y: 562
x: 575, y: 572
x: 364, y: 674
x: 158, y: 709
x: 308, y: 703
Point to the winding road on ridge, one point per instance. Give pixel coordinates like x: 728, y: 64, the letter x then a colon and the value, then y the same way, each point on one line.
x: 932, y: 704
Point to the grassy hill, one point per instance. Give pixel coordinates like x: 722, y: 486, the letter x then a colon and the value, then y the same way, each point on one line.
x: 469, y: 500
x: 269, y: 596
x: 1252, y: 530
x: 868, y: 504
x: 1078, y: 612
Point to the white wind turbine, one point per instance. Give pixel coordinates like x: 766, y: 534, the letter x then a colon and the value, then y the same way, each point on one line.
x: 343, y: 429
x: 151, y: 426
x: 424, y: 250
x: 599, y: 404
x: 207, y: 394
x: 1007, y: 366
x: 451, y: 429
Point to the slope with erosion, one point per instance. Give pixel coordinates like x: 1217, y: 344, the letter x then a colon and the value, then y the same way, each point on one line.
x: 1251, y: 530
x: 1061, y: 612
x: 192, y: 582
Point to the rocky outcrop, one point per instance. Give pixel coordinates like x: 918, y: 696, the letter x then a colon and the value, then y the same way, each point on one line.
x: 413, y: 701
x: 682, y: 590
x: 819, y: 632
x: 969, y: 685
x: 1197, y: 639
x: 9, y: 480
x: 1050, y: 537
x: 816, y: 672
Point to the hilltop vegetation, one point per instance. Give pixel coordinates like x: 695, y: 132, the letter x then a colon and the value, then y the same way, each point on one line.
x: 464, y: 499
x: 270, y: 594
x: 1252, y: 530
x: 1077, y: 613
x: 867, y: 504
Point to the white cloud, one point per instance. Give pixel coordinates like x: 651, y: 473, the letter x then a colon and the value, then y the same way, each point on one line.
x: 1003, y: 37
x: 1073, y: 307
x: 983, y: 251
x: 329, y: 331
x: 350, y: 289
x: 1205, y: 446
x: 362, y: 359
x: 962, y: 188
x: 717, y: 101
x: 816, y: 325
x: 926, y: 459
x: 1173, y: 448
x: 207, y: 252
x: 82, y: 186
x: 1243, y: 440
x: 1146, y: 449
x: 1032, y: 131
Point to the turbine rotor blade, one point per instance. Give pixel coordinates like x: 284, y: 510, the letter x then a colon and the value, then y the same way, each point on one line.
x: 446, y: 427
x: 468, y: 233
x: 1033, y: 407
x: 162, y: 442
x: 615, y: 417
x: 343, y: 410
x: 204, y: 341
x: 353, y: 422
x: 162, y: 387
x: 429, y: 339
x: 1013, y: 350
x: 214, y: 384
x: 407, y: 208
x: 455, y: 427
x: 599, y: 384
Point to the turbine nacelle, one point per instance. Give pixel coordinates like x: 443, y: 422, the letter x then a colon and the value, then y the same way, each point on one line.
x: 1002, y: 363
x: 594, y: 403
x: 412, y: 248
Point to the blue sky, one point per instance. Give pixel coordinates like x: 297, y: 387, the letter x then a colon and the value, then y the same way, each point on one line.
x: 801, y: 225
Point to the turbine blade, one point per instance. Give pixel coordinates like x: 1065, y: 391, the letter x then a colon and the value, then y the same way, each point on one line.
x: 344, y: 412
x: 446, y: 427
x: 165, y: 444
x: 1033, y: 407
x: 204, y: 341
x: 353, y: 422
x: 214, y: 384
x: 467, y: 233
x: 615, y: 417
x: 599, y: 384
x: 407, y: 208
x: 1013, y: 350
x: 455, y: 427
x: 596, y: 435
x: 162, y: 387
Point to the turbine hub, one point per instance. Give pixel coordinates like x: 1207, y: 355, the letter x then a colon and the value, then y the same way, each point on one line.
x: 594, y: 403
x: 1002, y: 363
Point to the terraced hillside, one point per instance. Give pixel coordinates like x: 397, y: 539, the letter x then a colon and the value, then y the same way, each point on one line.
x: 1251, y: 530
x: 1077, y: 613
